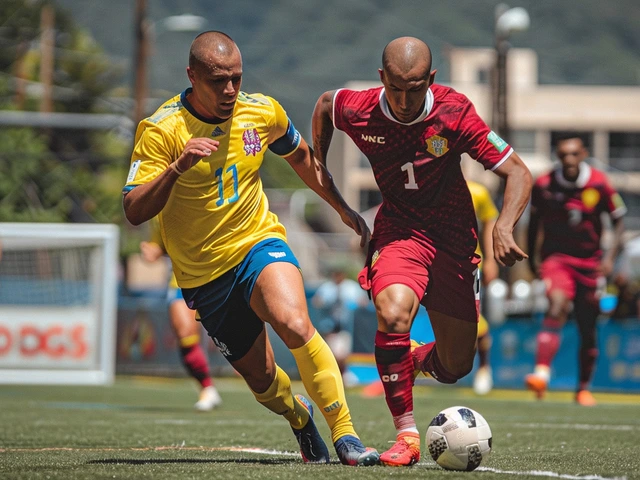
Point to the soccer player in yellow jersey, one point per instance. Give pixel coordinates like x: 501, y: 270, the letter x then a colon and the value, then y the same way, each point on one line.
x: 196, y: 164
x: 487, y: 214
x: 186, y: 328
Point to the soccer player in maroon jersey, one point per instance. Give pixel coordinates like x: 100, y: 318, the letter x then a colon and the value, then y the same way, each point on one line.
x: 566, y: 208
x: 422, y: 249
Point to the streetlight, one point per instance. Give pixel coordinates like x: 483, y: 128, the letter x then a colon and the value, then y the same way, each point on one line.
x: 143, y: 40
x: 508, y: 21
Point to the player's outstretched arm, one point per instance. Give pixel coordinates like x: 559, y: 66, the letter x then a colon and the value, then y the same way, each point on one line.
x: 322, y: 126
x: 516, y: 196
x: 147, y: 200
x: 609, y: 258
x: 317, y: 178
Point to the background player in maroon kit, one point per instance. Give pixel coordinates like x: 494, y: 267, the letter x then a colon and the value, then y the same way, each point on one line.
x: 566, y: 209
x: 425, y: 233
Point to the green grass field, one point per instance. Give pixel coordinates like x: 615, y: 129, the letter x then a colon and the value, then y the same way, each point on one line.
x: 146, y: 428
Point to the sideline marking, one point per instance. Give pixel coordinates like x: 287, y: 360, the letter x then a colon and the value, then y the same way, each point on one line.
x: 542, y: 473
x: 579, y: 426
x: 262, y: 451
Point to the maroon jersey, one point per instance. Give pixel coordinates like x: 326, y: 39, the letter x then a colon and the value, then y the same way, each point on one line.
x: 570, y: 212
x: 417, y: 165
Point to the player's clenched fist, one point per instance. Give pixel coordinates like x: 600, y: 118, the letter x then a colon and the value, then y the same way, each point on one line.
x: 194, y: 150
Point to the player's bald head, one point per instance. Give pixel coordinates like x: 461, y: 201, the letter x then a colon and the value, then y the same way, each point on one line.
x: 405, y: 54
x: 209, y: 48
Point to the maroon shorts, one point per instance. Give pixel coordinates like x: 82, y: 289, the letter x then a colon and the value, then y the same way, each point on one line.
x: 443, y: 283
x: 566, y: 273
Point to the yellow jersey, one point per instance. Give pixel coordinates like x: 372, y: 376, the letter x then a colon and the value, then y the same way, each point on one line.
x: 217, y: 210
x: 483, y: 205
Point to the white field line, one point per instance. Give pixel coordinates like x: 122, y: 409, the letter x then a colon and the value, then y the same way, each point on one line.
x: 261, y: 451
x: 541, y: 473
x: 535, y: 473
x: 577, y: 426
x: 264, y: 451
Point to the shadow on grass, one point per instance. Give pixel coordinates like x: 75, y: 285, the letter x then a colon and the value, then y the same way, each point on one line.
x: 150, y: 461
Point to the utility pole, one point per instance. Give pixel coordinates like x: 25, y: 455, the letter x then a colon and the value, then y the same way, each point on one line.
x: 141, y: 56
x: 507, y: 21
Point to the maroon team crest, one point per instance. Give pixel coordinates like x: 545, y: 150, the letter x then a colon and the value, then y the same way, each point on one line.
x: 437, y: 145
x: 251, y: 141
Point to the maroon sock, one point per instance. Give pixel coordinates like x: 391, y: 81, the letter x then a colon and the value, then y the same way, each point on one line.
x: 426, y: 359
x: 548, y: 342
x: 196, y: 363
x: 588, y: 357
x: 395, y: 366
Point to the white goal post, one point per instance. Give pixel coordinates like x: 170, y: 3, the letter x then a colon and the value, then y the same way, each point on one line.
x: 58, y: 303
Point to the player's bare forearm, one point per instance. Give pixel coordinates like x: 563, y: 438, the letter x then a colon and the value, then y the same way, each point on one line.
x: 315, y: 175
x: 516, y: 196
x: 322, y: 126
x: 146, y: 201
x: 616, y: 246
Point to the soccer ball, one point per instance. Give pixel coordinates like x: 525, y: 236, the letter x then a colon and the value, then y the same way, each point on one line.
x: 458, y: 438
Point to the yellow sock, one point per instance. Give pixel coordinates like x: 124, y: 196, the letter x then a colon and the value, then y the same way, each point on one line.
x: 279, y: 399
x: 189, y: 341
x: 322, y: 380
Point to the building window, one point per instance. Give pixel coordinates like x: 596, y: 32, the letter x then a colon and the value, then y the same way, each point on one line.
x: 624, y: 151
x: 523, y: 141
x: 632, y: 218
x: 482, y: 76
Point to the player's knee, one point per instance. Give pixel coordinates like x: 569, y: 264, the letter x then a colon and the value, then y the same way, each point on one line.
x: 450, y: 371
x: 295, y: 330
x: 395, y: 318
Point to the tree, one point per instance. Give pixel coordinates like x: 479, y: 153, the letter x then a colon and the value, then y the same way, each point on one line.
x: 57, y: 174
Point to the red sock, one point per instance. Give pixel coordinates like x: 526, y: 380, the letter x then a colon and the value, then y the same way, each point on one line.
x: 426, y: 359
x: 196, y: 363
x: 395, y: 366
x: 588, y: 357
x: 548, y: 342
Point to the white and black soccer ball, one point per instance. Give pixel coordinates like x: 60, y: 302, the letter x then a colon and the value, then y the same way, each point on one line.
x: 458, y: 438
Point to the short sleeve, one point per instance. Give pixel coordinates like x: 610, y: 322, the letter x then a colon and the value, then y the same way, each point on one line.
x: 152, y: 154
x: 280, y: 121
x: 615, y: 205
x: 340, y: 99
x: 479, y: 141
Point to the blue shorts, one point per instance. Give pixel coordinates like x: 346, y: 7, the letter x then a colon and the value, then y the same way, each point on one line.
x: 223, y: 304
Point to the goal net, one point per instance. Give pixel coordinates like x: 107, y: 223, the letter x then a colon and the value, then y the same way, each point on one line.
x: 58, y: 294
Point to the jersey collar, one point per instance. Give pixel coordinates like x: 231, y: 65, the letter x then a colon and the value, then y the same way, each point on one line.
x: 583, y: 177
x: 186, y: 104
x: 428, y: 105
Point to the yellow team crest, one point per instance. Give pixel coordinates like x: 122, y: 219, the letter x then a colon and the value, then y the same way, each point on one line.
x: 590, y: 197
x: 437, y: 145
